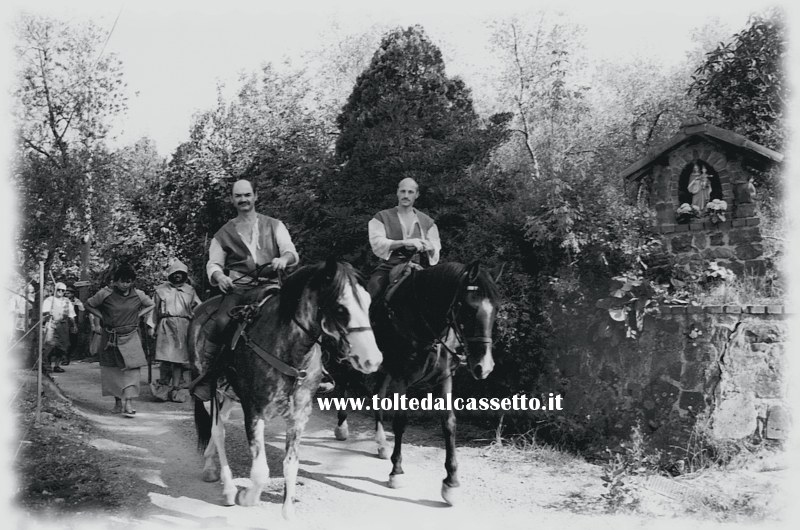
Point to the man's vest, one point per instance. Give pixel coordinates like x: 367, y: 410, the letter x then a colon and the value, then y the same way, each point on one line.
x: 394, y: 230
x: 237, y: 255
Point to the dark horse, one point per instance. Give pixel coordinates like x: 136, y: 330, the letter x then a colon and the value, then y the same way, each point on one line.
x: 418, y: 330
x: 275, y: 368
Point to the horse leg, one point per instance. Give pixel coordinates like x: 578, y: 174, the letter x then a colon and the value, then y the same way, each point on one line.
x: 342, y: 431
x: 218, y: 436
x: 291, y: 462
x: 449, y: 430
x: 210, y: 470
x: 380, y: 435
x: 259, y: 470
x: 398, y: 426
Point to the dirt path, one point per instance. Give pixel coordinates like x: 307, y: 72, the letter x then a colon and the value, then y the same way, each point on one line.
x: 341, y: 484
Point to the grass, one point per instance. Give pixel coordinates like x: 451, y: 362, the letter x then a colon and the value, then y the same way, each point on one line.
x: 57, y: 469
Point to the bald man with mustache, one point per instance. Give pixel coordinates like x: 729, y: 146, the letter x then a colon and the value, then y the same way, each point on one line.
x: 401, y: 234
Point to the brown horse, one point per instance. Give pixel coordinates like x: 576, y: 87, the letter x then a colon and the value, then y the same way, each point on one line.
x: 431, y: 312
x: 275, y: 369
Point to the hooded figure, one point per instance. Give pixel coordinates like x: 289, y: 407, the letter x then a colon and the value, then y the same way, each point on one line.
x: 175, y: 301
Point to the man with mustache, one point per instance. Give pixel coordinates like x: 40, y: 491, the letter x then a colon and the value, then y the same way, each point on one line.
x: 401, y: 234
x: 243, y: 246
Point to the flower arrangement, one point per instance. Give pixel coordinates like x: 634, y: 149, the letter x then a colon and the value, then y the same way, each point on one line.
x: 716, y: 210
x: 686, y: 212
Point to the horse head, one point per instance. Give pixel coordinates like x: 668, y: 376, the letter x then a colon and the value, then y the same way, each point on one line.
x: 344, y: 315
x: 475, y: 319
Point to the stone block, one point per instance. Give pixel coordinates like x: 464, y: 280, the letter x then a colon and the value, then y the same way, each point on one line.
x: 696, y: 226
x: 716, y: 239
x: 693, y: 376
x: 668, y: 228
x: 778, y: 423
x: 756, y: 267
x: 659, y: 397
x: 693, y: 309
x: 735, y: 266
x: 757, y: 309
x: 735, y: 416
x: 774, y: 309
x: 749, y: 251
x: 718, y: 253
x: 753, y: 221
x: 739, y: 222
x: 679, y: 310
x: 693, y: 401
x: 733, y: 309
x: 681, y: 228
x: 681, y: 243
x: 700, y: 352
x: 745, y: 210
x: 713, y: 309
x: 742, y: 235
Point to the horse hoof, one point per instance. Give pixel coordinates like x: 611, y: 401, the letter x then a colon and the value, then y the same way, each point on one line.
x: 210, y: 475
x: 397, y: 481
x: 230, y: 499
x: 449, y: 494
x: 383, y: 453
x: 241, y: 498
x: 341, y: 432
x: 288, y: 511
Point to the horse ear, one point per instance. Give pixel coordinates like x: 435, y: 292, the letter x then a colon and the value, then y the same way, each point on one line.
x: 497, y: 272
x: 472, y: 271
x: 331, y: 264
x: 328, y: 329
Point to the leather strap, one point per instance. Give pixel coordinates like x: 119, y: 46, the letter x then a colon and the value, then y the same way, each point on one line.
x: 282, y: 367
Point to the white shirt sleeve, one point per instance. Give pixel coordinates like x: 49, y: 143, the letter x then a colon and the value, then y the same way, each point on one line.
x: 284, y: 241
x: 377, y: 239
x: 47, y: 305
x: 216, y: 260
x: 433, y: 238
x: 71, y: 310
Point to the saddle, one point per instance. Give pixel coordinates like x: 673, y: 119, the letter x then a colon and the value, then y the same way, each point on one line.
x: 397, y: 276
x: 198, y: 334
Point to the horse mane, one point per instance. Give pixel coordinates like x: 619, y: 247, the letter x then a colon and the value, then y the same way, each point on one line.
x: 327, y: 279
x: 450, y: 274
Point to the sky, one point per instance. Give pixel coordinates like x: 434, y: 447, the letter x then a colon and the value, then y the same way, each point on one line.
x: 175, y: 53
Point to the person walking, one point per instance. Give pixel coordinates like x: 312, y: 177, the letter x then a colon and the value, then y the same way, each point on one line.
x: 175, y: 301
x: 119, y: 308
x: 60, y: 315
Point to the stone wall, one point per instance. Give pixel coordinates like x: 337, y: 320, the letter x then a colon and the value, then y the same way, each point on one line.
x: 736, y: 244
x: 725, y: 361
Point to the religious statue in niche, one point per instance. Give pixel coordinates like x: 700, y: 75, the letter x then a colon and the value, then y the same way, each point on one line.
x: 700, y: 187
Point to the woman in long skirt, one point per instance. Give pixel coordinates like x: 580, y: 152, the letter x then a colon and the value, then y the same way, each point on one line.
x: 119, y: 308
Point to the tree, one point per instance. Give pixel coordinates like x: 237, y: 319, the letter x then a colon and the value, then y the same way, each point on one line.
x: 404, y: 118
x: 66, y: 92
x: 268, y: 133
x: 742, y: 84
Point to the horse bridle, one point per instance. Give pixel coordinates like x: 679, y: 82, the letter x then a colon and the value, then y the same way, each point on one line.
x: 286, y: 368
x: 451, y: 321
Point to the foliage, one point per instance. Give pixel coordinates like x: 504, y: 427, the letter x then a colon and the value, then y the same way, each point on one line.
x: 742, y: 84
x: 404, y: 118
x: 66, y: 93
x: 632, y: 461
x: 632, y: 297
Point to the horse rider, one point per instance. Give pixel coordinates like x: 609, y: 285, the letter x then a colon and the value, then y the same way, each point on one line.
x: 401, y: 234
x: 243, y: 246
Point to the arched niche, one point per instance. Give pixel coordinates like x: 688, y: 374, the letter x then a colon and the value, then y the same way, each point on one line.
x: 684, y: 195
